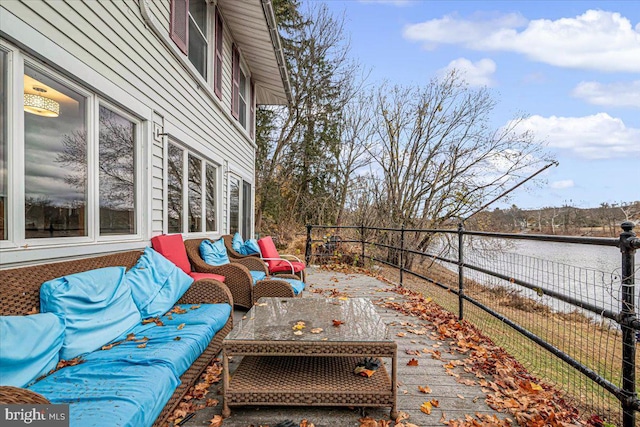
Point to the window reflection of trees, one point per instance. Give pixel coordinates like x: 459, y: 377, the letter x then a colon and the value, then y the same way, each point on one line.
x: 174, y: 189
x: 116, y: 170
x: 211, y: 197
x: 195, y: 194
x: 116, y: 174
x: 234, y: 205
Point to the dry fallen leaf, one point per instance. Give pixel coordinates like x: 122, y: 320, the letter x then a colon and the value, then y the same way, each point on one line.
x: 316, y: 330
x: 412, y: 362
x: 402, y: 416
x: 177, y: 339
x: 180, y: 326
x: 337, y: 323
x: 216, y: 421
x: 131, y: 337
x: 435, y: 403
x: 305, y: 423
x: 298, y: 333
x: 143, y: 345
x: 460, y: 396
x: 424, y: 389
x: 426, y: 408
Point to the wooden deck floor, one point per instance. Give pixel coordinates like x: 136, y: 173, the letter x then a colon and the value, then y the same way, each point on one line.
x: 455, y: 399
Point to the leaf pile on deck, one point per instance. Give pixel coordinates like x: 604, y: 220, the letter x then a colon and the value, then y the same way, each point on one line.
x: 513, y: 390
x: 193, y: 400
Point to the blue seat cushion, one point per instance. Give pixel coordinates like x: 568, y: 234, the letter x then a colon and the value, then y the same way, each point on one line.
x: 297, y: 285
x: 178, y: 348
x: 110, y: 393
x: 214, y: 253
x: 30, y: 347
x: 96, y: 305
x: 257, y: 275
x: 156, y: 283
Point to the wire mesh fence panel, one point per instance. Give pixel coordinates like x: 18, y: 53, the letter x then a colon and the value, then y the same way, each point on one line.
x: 566, y: 299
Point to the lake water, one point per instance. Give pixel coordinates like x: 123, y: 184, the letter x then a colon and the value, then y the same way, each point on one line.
x: 588, y: 273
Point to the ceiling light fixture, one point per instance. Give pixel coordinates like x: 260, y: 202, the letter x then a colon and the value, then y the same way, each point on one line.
x: 40, y: 105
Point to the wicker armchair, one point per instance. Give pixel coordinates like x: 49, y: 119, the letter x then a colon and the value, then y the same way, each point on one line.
x: 241, y: 282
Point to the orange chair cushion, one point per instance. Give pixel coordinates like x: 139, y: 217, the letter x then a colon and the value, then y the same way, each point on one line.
x: 171, y: 246
x: 198, y: 276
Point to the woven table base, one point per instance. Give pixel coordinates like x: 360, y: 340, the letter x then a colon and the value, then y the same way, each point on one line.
x: 307, y: 381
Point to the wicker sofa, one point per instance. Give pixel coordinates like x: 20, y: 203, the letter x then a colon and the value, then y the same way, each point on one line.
x: 20, y: 296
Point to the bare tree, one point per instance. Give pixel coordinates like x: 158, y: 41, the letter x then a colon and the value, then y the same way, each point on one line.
x: 438, y: 155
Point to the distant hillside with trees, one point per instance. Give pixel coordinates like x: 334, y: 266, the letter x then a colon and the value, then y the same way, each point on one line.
x: 603, y: 221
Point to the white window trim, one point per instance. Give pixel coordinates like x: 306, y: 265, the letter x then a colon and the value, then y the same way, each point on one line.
x: 234, y: 172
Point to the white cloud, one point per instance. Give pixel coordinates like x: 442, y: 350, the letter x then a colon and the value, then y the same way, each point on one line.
x: 561, y: 185
x: 476, y: 74
x: 620, y: 94
x: 599, y: 136
x: 596, y: 40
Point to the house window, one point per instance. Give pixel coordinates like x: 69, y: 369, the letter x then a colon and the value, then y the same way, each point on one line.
x: 246, y: 210
x: 195, y: 194
x: 217, y: 85
x: 68, y: 160
x: 240, y: 202
x: 186, y: 204
x: 56, y: 168
x: 234, y: 205
x: 241, y: 88
x: 211, y: 184
x: 174, y: 188
x: 4, y: 104
x: 189, y: 31
x: 116, y: 164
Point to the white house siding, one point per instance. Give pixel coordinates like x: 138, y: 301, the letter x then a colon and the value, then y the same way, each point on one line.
x: 112, y: 39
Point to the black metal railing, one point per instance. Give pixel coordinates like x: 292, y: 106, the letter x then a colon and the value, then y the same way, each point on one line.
x: 562, y: 285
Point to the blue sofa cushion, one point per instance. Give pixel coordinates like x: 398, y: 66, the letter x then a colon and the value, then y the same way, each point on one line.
x: 297, y: 285
x: 257, y: 275
x: 110, y: 393
x: 178, y: 348
x: 156, y: 283
x: 30, y: 347
x: 237, y: 242
x: 96, y: 305
x: 214, y: 253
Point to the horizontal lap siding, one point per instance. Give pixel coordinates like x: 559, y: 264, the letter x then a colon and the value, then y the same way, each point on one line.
x: 111, y: 38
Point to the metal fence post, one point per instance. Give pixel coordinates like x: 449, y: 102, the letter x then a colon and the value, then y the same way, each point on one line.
x: 307, y: 248
x: 628, y: 245
x: 401, y: 253
x: 461, y: 271
x: 362, y: 242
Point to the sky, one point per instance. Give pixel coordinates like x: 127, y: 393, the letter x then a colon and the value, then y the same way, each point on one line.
x: 572, y: 67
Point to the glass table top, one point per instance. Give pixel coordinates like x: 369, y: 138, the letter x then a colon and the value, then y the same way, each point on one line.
x: 311, y: 319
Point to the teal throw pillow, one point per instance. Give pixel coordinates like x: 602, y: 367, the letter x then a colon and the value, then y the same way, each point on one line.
x: 237, y: 243
x: 250, y: 247
x: 214, y: 253
x: 156, y: 283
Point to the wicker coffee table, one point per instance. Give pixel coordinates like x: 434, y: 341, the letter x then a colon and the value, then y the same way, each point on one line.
x: 314, y: 367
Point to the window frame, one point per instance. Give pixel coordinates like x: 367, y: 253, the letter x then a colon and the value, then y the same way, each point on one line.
x: 218, y: 56
x: 16, y: 219
x: 204, y: 161
x: 138, y: 176
x: 241, y: 204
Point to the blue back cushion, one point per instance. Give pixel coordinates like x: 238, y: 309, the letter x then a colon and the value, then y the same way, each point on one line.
x: 214, y: 253
x: 250, y: 247
x: 97, y: 307
x: 237, y: 242
x: 156, y: 283
x: 30, y: 347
